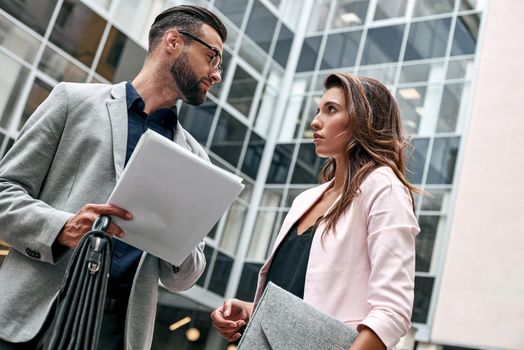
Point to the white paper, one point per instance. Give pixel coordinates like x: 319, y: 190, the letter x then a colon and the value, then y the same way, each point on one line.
x: 175, y: 197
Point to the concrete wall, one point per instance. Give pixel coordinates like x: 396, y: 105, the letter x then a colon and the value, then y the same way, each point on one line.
x: 481, y: 299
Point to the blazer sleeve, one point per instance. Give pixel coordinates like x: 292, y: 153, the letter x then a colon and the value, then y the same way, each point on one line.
x: 28, y: 224
x: 392, y: 228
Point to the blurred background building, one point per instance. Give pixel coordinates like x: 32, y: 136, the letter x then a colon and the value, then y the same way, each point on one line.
x: 455, y: 69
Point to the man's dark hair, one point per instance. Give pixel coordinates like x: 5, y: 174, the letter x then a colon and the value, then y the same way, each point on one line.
x: 187, y: 18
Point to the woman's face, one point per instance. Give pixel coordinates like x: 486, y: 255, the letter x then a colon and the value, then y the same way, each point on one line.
x: 330, y: 124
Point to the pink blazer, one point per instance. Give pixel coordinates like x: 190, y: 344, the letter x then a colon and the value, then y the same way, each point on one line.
x: 363, y: 273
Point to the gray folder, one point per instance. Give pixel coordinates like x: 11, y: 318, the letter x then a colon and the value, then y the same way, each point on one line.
x: 282, y: 321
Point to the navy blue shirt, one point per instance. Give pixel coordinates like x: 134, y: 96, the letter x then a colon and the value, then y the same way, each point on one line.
x: 125, y: 258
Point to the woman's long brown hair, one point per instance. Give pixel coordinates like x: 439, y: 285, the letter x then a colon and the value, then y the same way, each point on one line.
x: 377, y: 138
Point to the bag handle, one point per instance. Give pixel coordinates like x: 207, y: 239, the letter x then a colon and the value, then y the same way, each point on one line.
x: 101, y: 223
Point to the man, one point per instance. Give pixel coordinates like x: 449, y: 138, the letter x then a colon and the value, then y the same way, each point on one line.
x: 67, y: 160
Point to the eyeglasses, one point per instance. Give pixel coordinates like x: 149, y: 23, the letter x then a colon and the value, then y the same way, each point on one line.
x: 216, y: 60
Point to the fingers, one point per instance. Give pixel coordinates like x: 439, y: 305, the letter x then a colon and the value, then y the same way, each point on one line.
x: 108, y: 209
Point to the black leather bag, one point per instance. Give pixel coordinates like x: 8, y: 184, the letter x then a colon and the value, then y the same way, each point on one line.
x: 79, y: 307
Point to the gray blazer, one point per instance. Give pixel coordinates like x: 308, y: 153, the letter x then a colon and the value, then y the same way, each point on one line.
x: 71, y: 152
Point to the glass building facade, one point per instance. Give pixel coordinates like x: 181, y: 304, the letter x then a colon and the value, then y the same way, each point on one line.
x: 256, y: 122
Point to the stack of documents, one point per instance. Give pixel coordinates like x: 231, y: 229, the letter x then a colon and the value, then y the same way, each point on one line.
x: 175, y: 197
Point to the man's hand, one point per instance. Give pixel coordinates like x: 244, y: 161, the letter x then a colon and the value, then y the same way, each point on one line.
x: 230, y: 317
x: 76, y: 227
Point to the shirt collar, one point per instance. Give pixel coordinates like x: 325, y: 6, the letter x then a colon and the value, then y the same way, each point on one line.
x: 168, y: 115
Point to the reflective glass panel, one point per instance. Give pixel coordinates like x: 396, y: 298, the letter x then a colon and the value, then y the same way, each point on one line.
x: 423, y: 72
x: 308, y: 54
x: 341, y: 50
x: 254, y: 151
x: 248, y: 281
x: 443, y: 159
x: 292, y: 118
x: 427, y: 39
x: 39, y: 92
x: 460, y: 69
x: 17, y: 40
x: 266, y: 108
x: 12, y: 79
x: 466, y: 5
x: 385, y: 75
x: 233, y: 227
x: 411, y: 103
x: 432, y: 7
x: 78, y: 31
x: 233, y: 9
x: 319, y: 15
x: 390, y: 9
x: 307, y: 165
x: 466, y: 35
x: 280, y: 163
x: 350, y: 13
x: 208, y: 253
x: 292, y: 193
x: 34, y: 14
x: 242, y: 91
x: 437, y: 200
x: 60, y: 68
x: 416, y: 159
x: 228, y: 138
x: 121, y: 59
x: 198, y: 120
x: 262, y: 233
x: 452, y: 107
x: 261, y: 25
x: 284, y: 41
x: 253, y: 54
x: 429, y: 226
x: 423, y: 291
x: 382, y: 45
x: 221, y: 272
x: 136, y: 16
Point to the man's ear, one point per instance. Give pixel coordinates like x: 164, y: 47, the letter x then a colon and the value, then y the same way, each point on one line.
x: 172, y: 41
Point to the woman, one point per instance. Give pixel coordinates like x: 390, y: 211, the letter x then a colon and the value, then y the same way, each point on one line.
x: 347, y: 247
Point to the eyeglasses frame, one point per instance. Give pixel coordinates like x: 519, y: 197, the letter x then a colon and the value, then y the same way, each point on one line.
x: 212, y: 48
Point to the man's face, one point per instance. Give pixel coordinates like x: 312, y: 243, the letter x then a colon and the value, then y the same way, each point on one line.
x: 192, y: 70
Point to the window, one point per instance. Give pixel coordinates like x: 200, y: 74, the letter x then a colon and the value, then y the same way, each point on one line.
x: 466, y: 35
x: 350, y: 13
x: 34, y: 14
x: 198, y: 120
x: 280, y: 163
x: 12, y: 80
x: 443, y: 159
x: 432, y: 7
x: 253, y: 156
x: 242, y: 91
x: 307, y: 165
x: 341, y: 50
x: 416, y: 160
x: 423, y: 291
x: 261, y: 25
x: 382, y: 45
x: 232, y: 9
x: 284, y: 41
x: 121, y: 58
x: 427, y: 39
x: 390, y: 9
x: 37, y: 95
x: 228, y: 138
x: 60, y: 68
x: 309, y: 53
x: 221, y: 272
x: 78, y: 31
x: 16, y: 40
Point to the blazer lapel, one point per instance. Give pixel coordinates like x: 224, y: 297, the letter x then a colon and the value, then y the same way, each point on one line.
x: 117, y: 108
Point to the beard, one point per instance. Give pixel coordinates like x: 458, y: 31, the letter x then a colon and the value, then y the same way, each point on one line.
x: 187, y: 81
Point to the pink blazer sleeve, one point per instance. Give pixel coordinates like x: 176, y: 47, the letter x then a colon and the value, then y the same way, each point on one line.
x: 392, y: 228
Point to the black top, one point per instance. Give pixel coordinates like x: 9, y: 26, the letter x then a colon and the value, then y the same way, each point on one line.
x: 289, y: 264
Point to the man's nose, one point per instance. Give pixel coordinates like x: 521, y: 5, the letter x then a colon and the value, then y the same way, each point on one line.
x: 216, y: 76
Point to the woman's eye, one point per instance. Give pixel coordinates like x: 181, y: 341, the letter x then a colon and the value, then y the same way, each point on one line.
x: 332, y: 109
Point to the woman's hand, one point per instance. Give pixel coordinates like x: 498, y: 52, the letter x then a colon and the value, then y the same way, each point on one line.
x: 230, y: 317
